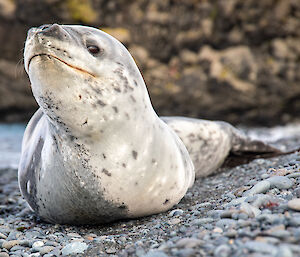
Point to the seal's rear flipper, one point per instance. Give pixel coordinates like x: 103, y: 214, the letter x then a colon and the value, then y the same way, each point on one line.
x: 212, y: 144
x: 245, y: 149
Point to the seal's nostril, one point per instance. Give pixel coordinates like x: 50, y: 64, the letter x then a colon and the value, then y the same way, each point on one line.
x: 45, y: 26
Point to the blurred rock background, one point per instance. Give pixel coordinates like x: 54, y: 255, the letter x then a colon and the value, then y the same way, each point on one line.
x: 233, y: 60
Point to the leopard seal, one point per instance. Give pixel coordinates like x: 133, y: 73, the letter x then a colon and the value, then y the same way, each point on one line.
x: 96, y: 151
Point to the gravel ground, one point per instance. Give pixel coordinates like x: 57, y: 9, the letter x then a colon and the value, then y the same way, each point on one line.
x: 249, y: 210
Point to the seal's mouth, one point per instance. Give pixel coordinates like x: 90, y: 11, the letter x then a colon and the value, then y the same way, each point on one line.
x: 64, y: 62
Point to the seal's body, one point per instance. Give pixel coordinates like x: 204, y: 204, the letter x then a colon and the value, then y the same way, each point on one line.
x: 96, y: 151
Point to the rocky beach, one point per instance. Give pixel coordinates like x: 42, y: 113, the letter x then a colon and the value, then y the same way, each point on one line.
x: 248, y: 210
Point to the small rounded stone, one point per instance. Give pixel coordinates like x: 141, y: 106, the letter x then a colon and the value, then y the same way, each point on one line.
x: 294, y: 204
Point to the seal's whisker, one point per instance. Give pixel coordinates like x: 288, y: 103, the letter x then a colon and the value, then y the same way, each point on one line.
x: 19, y: 69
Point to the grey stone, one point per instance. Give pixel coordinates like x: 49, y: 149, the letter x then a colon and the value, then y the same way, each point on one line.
x: 202, y: 221
x: 224, y: 223
x: 188, y: 242
x: 176, y: 212
x: 45, y: 249
x: 280, y: 182
x: 294, y: 175
x: 16, y: 248
x: 270, y: 218
x: 222, y: 251
x: 260, y: 247
x: 236, y: 201
x: 13, y: 235
x: 75, y: 247
x: 284, y: 251
x: 155, y: 254
x: 261, y: 199
x: 37, y: 244
x: 260, y: 187
x: 264, y: 176
x: 250, y: 210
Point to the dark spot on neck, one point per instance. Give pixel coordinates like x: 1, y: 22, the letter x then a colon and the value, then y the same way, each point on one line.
x: 132, y: 98
x: 134, y: 154
x: 101, y: 103
x: 115, y: 109
x: 106, y: 172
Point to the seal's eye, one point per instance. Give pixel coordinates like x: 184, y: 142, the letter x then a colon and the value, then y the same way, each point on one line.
x: 93, y: 49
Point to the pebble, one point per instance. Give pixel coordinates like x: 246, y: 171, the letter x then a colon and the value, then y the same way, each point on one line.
x: 188, y: 242
x: 297, y: 192
x: 37, y: 244
x: 202, y: 221
x: 261, y: 200
x: 9, y: 244
x: 73, y: 235
x: 155, y: 254
x: 222, y: 251
x: 46, y: 249
x: 264, y: 176
x: 284, y: 251
x: 260, y: 247
x: 75, y: 247
x: 176, y: 212
x: 226, y: 223
x: 111, y: 250
x: 294, y: 204
x: 280, y: 182
x: 260, y: 187
x: 3, y: 254
x: 174, y: 221
x: 250, y: 210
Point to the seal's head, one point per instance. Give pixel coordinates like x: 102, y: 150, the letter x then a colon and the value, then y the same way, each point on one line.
x: 75, y: 70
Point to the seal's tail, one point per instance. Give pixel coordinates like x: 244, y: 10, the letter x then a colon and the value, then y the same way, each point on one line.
x: 245, y: 149
x: 212, y: 144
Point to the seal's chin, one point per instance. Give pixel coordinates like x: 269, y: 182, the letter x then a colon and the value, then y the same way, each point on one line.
x: 50, y: 56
